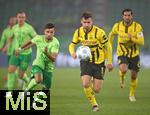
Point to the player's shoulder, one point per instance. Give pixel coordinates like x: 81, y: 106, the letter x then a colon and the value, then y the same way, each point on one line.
x: 116, y: 24
x: 28, y: 25
x: 78, y: 29
x: 39, y: 37
x: 6, y: 29
x: 55, y: 40
x: 98, y: 29
x: 15, y: 26
x: 137, y: 24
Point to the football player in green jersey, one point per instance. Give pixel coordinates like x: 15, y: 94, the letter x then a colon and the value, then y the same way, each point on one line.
x: 6, y: 34
x: 22, y: 32
x: 43, y: 65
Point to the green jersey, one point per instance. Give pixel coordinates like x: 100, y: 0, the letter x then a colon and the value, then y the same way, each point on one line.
x: 22, y: 35
x: 7, y: 33
x: 41, y: 59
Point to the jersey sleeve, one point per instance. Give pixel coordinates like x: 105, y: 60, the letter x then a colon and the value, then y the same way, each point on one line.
x: 36, y: 39
x: 75, y: 40
x: 3, y: 39
x: 102, y: 37
x: 55, y: 48
x: 32, y: 32
x: 138, y: 38
x: 113, y: 32
x: 107, y: 47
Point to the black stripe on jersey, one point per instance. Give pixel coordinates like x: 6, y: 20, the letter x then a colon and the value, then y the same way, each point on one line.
x: 126, y: 29
x: 131, y: 51
x: 100, y: 48
x: 74, y: 42
x: 105, y: 41
x: 127, y: 50
x: 118, y: 26
x: 104, y: 37
x: 93, y: 56
x: 95, y: 33
x: 97, y: 53
x: 92, y: 46
x: 122, y: 49
x: 79, y: 32
x: 135, y: 27
x: 86, y: 36
x: 134, y: 46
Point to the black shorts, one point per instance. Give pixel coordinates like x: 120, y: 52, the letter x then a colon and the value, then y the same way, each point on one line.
x: 133, y: 63
x: 94, y: 70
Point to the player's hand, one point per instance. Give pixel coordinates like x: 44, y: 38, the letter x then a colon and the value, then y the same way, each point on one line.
x: 46, y: 50
x: 17, y: 52
x: 129, y: 35
x: 74, y: 56
x: 110, y: 67
x: 4, y: 50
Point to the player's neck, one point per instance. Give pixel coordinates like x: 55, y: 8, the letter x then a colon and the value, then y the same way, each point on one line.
x: 49, y: 40
x: 10, y: 26
x: 88, y: 29
x: 127, y: 23
x: 21, y: 24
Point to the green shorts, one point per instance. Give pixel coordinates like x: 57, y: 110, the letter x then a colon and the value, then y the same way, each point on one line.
x: 8, y: 58
x: 22, y: 61
x: 94, y: 70
x: 133, y: 63
x: 47, y: 76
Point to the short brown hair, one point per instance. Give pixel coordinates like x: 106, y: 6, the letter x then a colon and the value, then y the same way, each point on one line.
x: 49, y: 26
x: 127, y: 10
x: 86, y: 15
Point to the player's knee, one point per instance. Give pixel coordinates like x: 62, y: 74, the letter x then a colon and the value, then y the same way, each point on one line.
x: 96, y: 90
x: 86, y: 85
x: 11, y: 69
x: 38, y: 79
x: 123, y: 70
x: 133, y: 75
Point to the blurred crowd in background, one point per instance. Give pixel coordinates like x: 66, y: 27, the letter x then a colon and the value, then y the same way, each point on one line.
x: 66, y: 16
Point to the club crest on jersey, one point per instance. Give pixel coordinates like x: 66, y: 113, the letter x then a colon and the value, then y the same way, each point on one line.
x: 140, y: 34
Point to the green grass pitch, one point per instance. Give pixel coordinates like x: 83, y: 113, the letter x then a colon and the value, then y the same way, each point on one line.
x: 67, y: 96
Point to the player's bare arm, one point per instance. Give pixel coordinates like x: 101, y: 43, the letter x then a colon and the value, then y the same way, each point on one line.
x: 27, y: 45
x: 52, y: 56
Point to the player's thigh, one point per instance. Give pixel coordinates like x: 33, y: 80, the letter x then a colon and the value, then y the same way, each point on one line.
x: 47, y: 79
x: 24, y: 61
x: 135, y: 64
x: 13, y: 63
x: 86, y: 80
x: 85, y: 68
x: 98, y: 71
x: 37, y: 73
x: 97, y: 85
x: 134, y: 74
x: 123, y: 63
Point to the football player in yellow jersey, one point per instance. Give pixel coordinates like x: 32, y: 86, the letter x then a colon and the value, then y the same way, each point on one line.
x: 130, y: 38
x: 94, y: 68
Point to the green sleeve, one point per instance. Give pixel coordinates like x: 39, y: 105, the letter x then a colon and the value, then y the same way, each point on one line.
x: 35, y: 40
x: 55, y: 48
x: 3, y: 40
x: 32, y: 32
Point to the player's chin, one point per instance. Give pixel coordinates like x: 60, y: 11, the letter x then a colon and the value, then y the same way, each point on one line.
x: 48, y: 38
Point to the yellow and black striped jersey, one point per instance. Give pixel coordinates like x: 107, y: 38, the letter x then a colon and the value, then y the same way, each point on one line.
x: 96, y: 40
x: 127, y: 46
